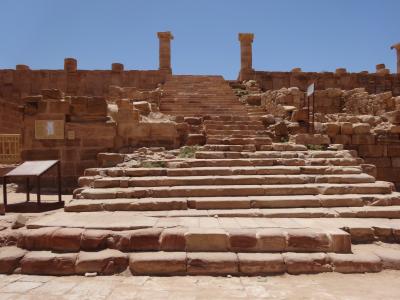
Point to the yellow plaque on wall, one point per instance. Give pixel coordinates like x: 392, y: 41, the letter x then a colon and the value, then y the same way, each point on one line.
x: 49, y: 129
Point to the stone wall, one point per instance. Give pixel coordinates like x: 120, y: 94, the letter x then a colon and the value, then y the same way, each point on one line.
x: 88, y: 128
x: 87, y: 131
x: 17, y: 84
x: 11, y: 118
x: 373, y: 83
x: 376, y: 141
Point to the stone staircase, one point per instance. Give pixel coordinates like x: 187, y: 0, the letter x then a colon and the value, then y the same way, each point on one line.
x: 230, y: 210
x: 241, y: 206
x: 236, y: 131
x: 187, y: 95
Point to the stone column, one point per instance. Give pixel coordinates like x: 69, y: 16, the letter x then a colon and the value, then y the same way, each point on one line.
x: 246, y: 56
x: 165, y: 50
x: 397, y: 47
x: 70, y: 64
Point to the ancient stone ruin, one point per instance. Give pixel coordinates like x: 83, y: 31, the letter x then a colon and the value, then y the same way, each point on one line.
x: 186, y: 174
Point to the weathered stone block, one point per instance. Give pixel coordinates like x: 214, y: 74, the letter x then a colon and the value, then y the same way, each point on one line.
x: 37, y: 239
x: 204, y: 239
x: 363, y: 139
x: 66, y: 239
x: 158, y: 263
x: 307, y: 240
x: 355, y: 263
x: 173, y: 239
x: 361, y: 128
x: 242, y: 240
x: 307, y: 263
x: 48, y: 263
x: 342, y: 139
x: 10, y: 258
x: 371, y: 150
x: 212, y: 263
x: 271, y: 240
x: 94, y: 240
x: 332, y: 129
x: 145, y: 239
x: 346, y: 128
x: 261, y: 263
x: 105, y: 262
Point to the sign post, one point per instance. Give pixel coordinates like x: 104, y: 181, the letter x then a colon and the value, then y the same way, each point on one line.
x: 310, y: 107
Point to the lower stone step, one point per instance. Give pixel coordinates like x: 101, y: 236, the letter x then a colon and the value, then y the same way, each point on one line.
x: 336, y: 212
x: 234, y: 203
x: 219, y: 171
x: 378, y: 187
x: 229, y: 162
x: 108, y: 262
x: 240, y: 141
x: 154, y: 181
x: 362, y: 230
x: 250, y: 264
x: 188, y: 239
x: 273, y: 154
x: 238, y: 148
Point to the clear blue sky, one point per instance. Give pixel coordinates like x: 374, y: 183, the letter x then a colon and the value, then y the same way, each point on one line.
x: 316, y: 35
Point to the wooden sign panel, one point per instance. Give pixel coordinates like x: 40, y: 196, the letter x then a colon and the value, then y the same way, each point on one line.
x: 49, y: 129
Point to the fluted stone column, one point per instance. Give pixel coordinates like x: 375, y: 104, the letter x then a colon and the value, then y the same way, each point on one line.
x: 246, y: 55
x: 397, y: 47
x: 165, y: 50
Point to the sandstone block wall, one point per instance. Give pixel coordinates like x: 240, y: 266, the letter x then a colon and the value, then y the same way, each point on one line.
x: 373, y: 83
x: 17, y: 84
x: 88, y: 128
x: 86, y: 133
x: 11, y: 118
x: 377, y: 144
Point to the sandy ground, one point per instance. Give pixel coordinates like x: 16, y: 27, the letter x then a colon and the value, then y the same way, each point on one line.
x: 327, y: 286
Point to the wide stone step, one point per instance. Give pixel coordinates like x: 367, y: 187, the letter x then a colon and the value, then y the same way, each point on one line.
x: 315, y: 212
x: 240, y: 141
x: 237, y: 135
x: 123, y: 204
x: 220, y: 171
x: 231, y: 162
x: 229, y: 118
x: 347, y: 200
x: 111, y: 182
x: 362, y: 230
x: 236, y: 148
x: 189, y: 239
x: 273, y: 154
x: 109, y: 262
x: 248, y: 122
x: 250, y: 264
x: 199, y: 110
x: 234, y: 127
x: 246, y: 202
x: 242, y: 132
x: 377, y: 187
x: 246, y: 148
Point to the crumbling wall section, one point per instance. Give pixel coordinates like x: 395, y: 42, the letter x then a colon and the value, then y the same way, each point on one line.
x: 373, y: 83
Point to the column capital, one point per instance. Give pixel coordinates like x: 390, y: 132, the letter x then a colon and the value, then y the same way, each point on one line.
x: 165, y: 35
x: 395, y: 46
x: 246, y: 37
